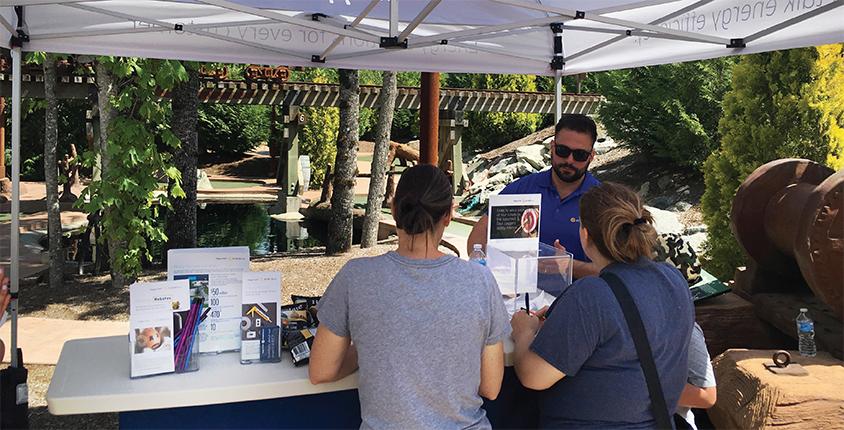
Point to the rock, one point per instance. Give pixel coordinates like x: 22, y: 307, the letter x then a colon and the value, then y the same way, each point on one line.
x: 480, y: 176
x: 602, y: 147
x: 532, y: 154
x: 680, y: 206
x: 696, y: 241
x: 520, y: 169
x: 202, y: 181
x: 662, y: 202
x: 663, y: 182
x: 665, y: 222
x: 501, y: 165
x: 643, y: 191
x: 700, y: 228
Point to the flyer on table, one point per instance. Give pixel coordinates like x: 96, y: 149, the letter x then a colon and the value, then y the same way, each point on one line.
x: 261, y: 299
x: 513, y: 241
x: 215, y: 276
x: 153, y: 306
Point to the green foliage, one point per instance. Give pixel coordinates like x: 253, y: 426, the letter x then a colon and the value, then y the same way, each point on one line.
x: 488, y: 130
x: 771, y: 112
x: 669, y: 111
x: 126, y: 192
x: 232, y: 129
x: 318, y: 139
x: 406, y: 121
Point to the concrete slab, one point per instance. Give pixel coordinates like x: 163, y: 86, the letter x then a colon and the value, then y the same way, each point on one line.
x: 42, y: 338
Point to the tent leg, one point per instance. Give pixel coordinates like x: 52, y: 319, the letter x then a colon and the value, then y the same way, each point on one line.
x: 16, y: 196
x: 558, y: 96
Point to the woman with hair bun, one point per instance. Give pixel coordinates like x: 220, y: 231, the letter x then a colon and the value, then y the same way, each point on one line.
x: 583, y: 355
x: 424, y: 328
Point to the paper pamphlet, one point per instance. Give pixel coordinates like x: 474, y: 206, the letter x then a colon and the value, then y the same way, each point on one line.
x: 261, y: 296
x: 215, y: 275
x: 153, y: 306
x: 513, y: 241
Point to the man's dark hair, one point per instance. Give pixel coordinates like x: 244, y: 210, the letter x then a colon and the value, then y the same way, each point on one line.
x: 579, y: 123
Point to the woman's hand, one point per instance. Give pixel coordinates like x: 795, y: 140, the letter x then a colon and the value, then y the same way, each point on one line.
x: 524, y: 325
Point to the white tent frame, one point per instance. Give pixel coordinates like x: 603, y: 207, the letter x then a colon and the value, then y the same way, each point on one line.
x: 391, y: 40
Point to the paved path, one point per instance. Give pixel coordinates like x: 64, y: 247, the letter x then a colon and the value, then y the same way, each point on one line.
x: 42, y: 338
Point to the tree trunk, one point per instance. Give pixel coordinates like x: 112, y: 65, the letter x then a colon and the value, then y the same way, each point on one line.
x: 105, y: 90
x: 345, y: 165
x: 181, y: 222
x: 51, y: 174
x: 378, y: 177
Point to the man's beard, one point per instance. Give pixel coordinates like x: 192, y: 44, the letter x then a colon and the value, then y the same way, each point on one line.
x: 571, y: 177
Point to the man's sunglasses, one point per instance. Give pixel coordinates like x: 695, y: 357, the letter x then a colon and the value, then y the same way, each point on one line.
x: 564, y: 151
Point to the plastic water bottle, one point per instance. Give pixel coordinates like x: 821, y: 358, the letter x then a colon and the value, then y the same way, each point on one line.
x: 806, y: 334
x: 478, y: 255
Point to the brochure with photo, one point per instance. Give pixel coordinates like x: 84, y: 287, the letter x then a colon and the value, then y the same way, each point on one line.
x: 215, y: 276
x: 260, y: 309
x: 152, y: 310
x: 513, y: 241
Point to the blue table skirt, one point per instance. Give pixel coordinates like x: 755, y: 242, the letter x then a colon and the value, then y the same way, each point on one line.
x: 516, y: 407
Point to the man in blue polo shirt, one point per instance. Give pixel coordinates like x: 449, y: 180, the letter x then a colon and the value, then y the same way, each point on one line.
x: 572, y: 149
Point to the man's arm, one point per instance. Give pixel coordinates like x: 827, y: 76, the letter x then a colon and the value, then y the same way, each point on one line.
x: 332, y: 357
x: 580, y: 269
x: 478, y: 235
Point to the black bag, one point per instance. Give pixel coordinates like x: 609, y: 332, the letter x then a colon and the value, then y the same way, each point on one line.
x: 14, y: 403
x: 662, y: 416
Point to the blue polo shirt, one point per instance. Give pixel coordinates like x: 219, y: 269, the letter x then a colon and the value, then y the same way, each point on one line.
x: 560, y: 218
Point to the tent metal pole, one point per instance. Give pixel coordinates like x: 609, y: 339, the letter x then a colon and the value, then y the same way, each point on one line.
x: 154, y: 29
x: 278, y: 17
x: 602, y: 45
x: 558, y: 95
x: 357, y: 21
x: 788, y: 23
x: 394, y: 18
x: 486, y: 30
x: 7, y: 25
x: 419, y: 18
x: 188, y: 29
x: 16, y: 198
x: 615, y: 21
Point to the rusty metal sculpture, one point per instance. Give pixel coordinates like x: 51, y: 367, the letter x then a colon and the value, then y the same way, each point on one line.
x: 788, y: 216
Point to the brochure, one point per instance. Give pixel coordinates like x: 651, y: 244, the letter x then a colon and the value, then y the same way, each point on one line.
x: 513, y: 241
x: 215, y: 276
x: 260, y: 309
x: 153, y: 309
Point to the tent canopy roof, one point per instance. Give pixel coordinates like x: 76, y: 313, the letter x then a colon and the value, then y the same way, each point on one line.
x: 483, y: 36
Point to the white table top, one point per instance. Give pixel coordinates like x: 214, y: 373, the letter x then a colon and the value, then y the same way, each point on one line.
x: 92, y: 376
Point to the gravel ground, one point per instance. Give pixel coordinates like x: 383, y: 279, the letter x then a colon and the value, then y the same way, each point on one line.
x: 93, y: 298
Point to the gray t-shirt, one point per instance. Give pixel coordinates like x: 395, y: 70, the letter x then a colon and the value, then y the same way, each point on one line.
x: 700, y: 370
x: 419, y: 327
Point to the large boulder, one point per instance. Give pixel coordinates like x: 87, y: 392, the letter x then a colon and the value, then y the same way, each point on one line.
x: 665, y: 222
x: 532, y: 154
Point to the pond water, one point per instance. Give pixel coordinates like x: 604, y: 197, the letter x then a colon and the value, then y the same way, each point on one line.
x: 251, y: 225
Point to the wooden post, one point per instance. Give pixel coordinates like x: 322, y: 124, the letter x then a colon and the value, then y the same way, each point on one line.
x: 429, y: 118
x: 451, y: 147
x: 287, y: 174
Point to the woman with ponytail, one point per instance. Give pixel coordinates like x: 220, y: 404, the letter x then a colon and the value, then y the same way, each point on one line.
x: 582, y: 353
x: 424, y: 328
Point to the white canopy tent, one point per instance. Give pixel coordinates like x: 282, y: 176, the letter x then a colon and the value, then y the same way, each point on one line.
x: 543, y: 37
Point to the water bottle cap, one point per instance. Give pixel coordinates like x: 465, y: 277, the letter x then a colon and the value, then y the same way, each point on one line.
x: 804, y: 310
x: 477, y: 246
